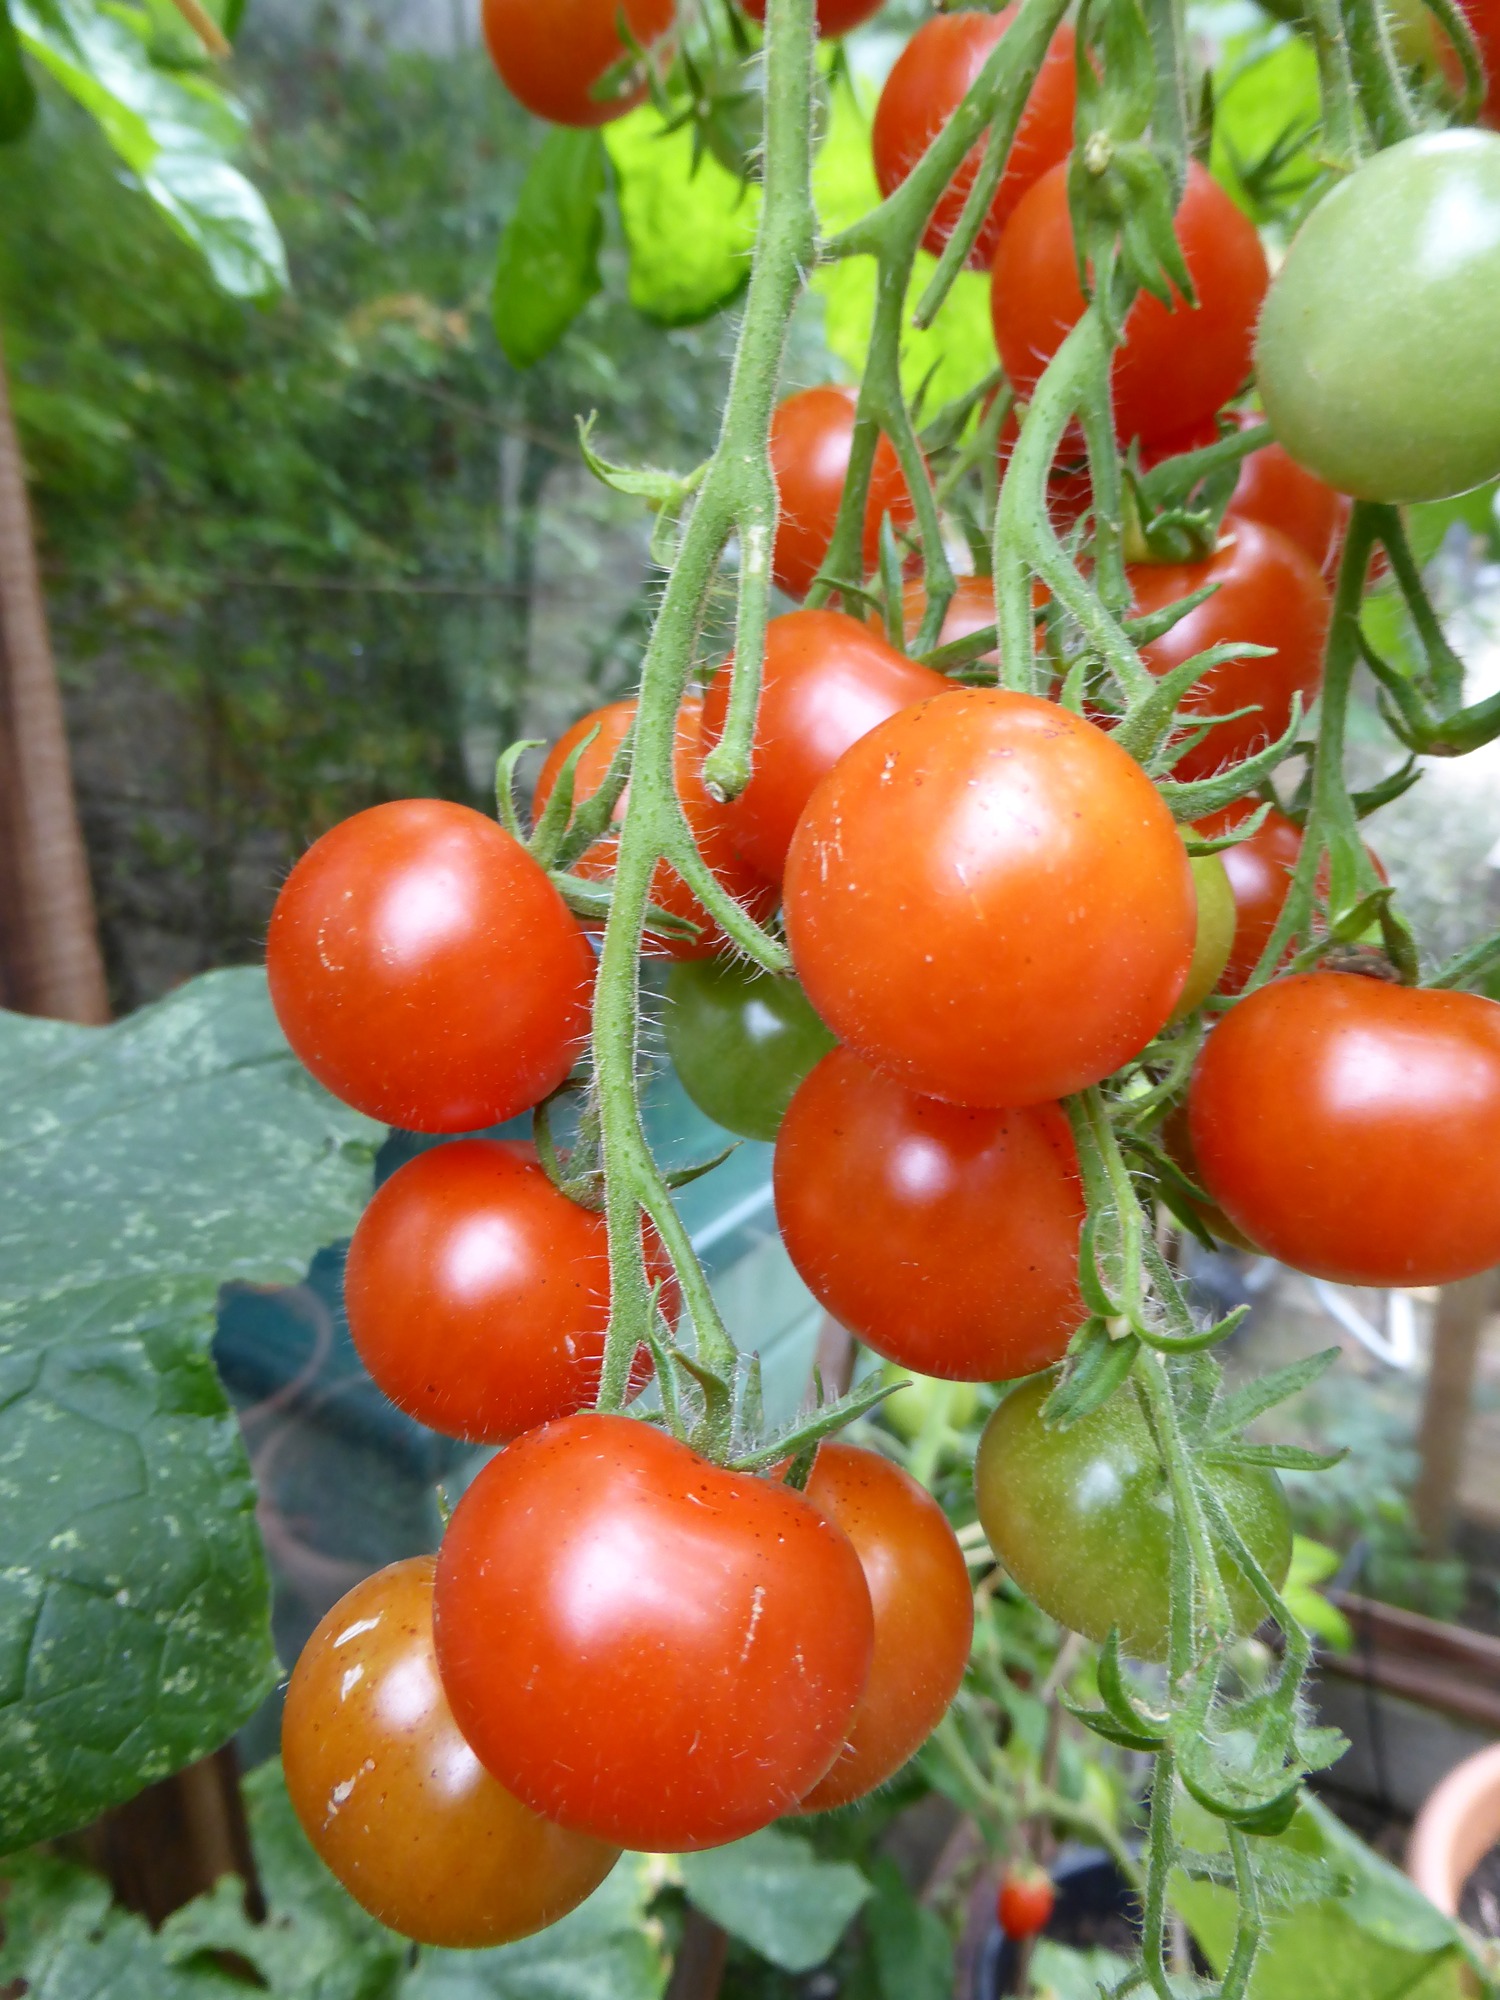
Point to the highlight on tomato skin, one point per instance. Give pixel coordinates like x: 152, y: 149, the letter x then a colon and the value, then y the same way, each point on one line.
x: 478, y: 1294
x: 675, y: 1661
x: 987, y: 899
x: 1351, y: 1127
x: 553, y: 54
x: 425, y: 969
x: 812, y: 436
x: 923, y: 1610
x: 392, y: 1798
x: 946, y: 1239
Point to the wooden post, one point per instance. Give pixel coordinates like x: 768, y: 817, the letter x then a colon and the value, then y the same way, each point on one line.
x: 48, y: 934
x: 1462, y: 1311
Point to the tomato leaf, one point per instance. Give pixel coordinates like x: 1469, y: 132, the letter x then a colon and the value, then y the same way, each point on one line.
x: 547, y: 268
x: 689, y: 222
x: 17, y: 92
x: 774, y: 1893
x: 144, y: 1166
x: 1242, y: 1406
x: 909, y: 1943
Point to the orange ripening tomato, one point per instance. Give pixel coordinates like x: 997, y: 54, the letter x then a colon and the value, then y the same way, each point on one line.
x: 426, y: 971
x: 835, y: 17
x: 552, y: 54
x: 1351, y: 1128
x: 642, y: 1645
x: 932, y: 76
x: 947, y: 1239
x: 1268, y: 594
x: 812, y: 434
x: 1260, y: 874
x: 708, y: 820
x: 970, y: 609
x: 1176, y: 366
x: 987, y: 899
x: 923, y: 1609
x: 1274, y: 489
x: 828, y: 680
x: 395, y: 1802
x: 478, y: 1293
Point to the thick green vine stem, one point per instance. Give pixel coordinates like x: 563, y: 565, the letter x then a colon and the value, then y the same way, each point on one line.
x: 737, y: 496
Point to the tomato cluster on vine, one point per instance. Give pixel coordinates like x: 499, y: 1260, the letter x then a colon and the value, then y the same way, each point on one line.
x: 637, y: 1637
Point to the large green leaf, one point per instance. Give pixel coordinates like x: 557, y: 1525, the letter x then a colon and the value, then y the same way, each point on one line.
x: 17, y: 94
x: 690, y: 225
x: 141, y: 1167
x: 547, y: 269
x: 774, y: 1893
x: 174, y: 130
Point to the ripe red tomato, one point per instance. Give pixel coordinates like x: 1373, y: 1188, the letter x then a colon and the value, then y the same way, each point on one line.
x: 426, y: 971
x: 1025, y: 1904
x: 946, y: 1239
x: 1260, y: 874
x: 392, y: 1797
x: 923, y: 1607
x: 835, y: 17
x: 812, y: 434
x: 1351, y: 1128
x: 478, y: 1294
x: 828, y: 680
x: 643, y: 1646
x: 988, y: 899
x: 1175, y: 367
x: 970, y: 609
x: 1274, y: 489
x: 932, y: 76
x: 552, y: 53
x: 1269, y: 594
x: 710, y: 823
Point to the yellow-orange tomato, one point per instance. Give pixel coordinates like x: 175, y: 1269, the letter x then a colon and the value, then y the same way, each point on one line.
x: 392, y: 1797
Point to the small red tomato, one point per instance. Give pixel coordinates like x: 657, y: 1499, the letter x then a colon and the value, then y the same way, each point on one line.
x: 987, y: 899
x: 643, y: 1646
x: 946, y: 1239
x: 396, y: 1803
x: 1176, y: 366
x: 1025, y: 1903
x: 1268, y: 594
x: 551, y: 54
x: 709, y: 821
x: 1260, y: 874
x: 426, y: 971
x: 1273, y: 488
x: 828, y: 680
x: 932, y: 76
x: 923, y: 1607
x: 1351, y: 1128
x: 478, y: 1294
x: 835, y: 17
x: 812, y: 434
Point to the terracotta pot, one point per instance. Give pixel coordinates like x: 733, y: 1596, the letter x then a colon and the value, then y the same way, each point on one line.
x: 1456, y: 1828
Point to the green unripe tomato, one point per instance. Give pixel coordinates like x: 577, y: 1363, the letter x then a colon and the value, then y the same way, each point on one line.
x: 908, y: 1409
x: 1082, y: 1518
x: 1215, y: 940
x: 1376, y: 357
x: 741, y: 1040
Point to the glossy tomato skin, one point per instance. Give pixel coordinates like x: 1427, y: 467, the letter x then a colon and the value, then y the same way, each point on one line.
x: 812, y: 434
x: 1274, y: 489
x: 1268, y: 594
x: 835, y: 17
x: 478, y: 1294
x: 1351, y: 1128
x: 923, y: 1610
x: 392, y: 1797
x: 1082, y: 1518
x: 946, y: 1239
x: 1175, y: 367
x: 1025, y: 1904
x: 1375, y: 354
x: 987, y: 899
x: 551, y: 53
x: 741, y: 1041
x: 932, y: 76
x: 828, y: 680
x: 426, y: 971
x: 645, y: 1647
x: 708, y: 820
